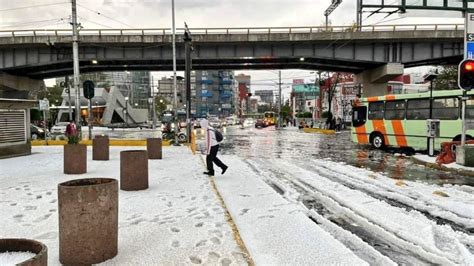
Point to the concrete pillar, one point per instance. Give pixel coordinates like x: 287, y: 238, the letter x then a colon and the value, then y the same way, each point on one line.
x: 375, y: 81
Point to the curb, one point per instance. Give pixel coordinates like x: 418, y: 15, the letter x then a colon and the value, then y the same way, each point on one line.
x: 230, y: 221
x: 113, y: 142
x: 319, y: 130
x: 443, y: 168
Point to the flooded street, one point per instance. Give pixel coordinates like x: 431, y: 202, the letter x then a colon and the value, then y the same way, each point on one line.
x: 294, y: 144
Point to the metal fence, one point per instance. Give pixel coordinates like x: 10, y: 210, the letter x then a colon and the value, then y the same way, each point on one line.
x: 249, y: 30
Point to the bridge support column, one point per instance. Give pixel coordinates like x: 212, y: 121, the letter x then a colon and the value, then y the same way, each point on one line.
x: 375, y: 81
x: 18, y: 87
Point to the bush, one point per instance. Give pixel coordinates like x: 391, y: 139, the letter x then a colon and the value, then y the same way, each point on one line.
x: 73, y: 139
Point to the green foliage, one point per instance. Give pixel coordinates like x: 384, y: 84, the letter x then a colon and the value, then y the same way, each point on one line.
x: 304, y: 115
x: 35, y: 115
x: 73, y: 139
x: 53, y: 94
x: 326, y: 114
x: 447, y: 78
x: 160, y: 104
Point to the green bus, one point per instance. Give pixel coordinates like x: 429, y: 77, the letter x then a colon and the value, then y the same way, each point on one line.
x: 401, y: 120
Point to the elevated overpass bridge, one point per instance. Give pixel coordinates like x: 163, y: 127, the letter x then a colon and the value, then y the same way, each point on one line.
x: 373, y: 52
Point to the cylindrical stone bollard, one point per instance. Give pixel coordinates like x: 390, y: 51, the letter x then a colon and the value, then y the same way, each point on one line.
x: 153, y: 146
x: 26, y: 245
x: 100, y: 148
x: 75, y: 159
x: 134, y: 170
x: 88, y: 220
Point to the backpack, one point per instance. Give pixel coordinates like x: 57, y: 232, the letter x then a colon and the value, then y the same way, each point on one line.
x: 218, y: 134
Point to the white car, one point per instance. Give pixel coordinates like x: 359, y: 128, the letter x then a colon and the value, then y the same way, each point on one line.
x: 59, y: 128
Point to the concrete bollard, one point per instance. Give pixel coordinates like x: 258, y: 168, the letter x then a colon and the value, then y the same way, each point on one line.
x: 154, y: 148
x: 88, y: 220
x: 26, y: 245
x: 134, y: 170
x: 75, y: 159
x: 100, y: 148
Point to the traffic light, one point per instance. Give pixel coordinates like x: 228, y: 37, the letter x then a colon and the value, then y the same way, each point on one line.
x: 249, y: 94
x: 466, y: 74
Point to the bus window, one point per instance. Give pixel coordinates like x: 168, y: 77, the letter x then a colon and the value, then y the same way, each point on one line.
x: 418, y: 109
x: 470, y: 109
x: 375, y: 110
x: 395, y: 110
x: 446, y: 108
x: 359, y: 115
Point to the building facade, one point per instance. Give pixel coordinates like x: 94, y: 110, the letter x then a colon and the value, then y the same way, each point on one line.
x: 243, y: 99
x: 215, y: 93
x: 266, y: 96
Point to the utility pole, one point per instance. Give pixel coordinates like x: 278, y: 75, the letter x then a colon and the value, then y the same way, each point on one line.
x: 68, y: 88
x: 75, y: 58
x: 279, y: 99
x: 175, y: 93
x: 153, y: 102
x: 188, y: 49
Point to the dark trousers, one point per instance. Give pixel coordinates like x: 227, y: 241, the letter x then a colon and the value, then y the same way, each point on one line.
x: 212, y: 158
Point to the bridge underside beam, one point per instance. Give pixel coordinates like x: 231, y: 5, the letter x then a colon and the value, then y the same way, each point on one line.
x: 65, y: 67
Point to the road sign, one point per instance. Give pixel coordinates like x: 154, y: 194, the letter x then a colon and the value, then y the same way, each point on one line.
x: 88, y: 87
x: 470, y: 50
x: 44, y: 105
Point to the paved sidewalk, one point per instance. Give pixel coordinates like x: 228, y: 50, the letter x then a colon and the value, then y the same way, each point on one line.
x: 177, y: 220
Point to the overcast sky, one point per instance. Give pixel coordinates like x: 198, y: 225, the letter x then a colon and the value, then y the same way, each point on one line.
x: 200, y: 13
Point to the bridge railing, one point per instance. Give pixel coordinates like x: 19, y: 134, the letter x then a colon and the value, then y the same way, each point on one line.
x: 244, y: 30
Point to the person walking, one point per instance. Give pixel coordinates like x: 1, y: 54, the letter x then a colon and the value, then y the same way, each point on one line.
x: 212, y: 147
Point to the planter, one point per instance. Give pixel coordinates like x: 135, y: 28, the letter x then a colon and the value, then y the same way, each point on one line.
x: 154, y: 148
x: 88, y: 220
x: 75, y: 159
x: 26, y: 245
x: 134, y: 170
x: 100, y: 148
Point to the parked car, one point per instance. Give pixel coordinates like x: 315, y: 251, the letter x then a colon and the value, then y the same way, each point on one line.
x: 59, y: 128
x: 261, y: 123
x: 37, y: 132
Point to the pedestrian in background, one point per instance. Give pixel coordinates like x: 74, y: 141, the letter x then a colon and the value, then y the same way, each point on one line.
x: 212, y: 147
x: 71, y: 129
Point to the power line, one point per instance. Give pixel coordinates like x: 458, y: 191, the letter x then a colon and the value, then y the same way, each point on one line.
x: 100, y: 14
x: 27, y: 23
x: 96, y: 23
x: 33, y: 6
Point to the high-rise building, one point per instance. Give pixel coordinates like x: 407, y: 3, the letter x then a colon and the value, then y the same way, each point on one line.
x: 215, y: 93
x: 166, y: 90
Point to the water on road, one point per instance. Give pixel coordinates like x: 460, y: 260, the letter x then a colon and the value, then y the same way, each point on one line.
x: 294, y: 144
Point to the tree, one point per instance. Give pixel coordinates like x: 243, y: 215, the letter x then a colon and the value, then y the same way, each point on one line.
x: 447, y: 78
x: 53, y: 94
x: 160, y: 104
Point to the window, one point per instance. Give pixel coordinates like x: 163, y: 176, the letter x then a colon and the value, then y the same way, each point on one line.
x: 395, y: 110
x: 446, y: 108
x: 359, y: 116
x: 376, y: 110
x: 470, y: 109
x: 418, y: 109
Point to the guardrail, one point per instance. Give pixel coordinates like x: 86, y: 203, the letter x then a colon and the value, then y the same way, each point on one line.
x: 248, y: 30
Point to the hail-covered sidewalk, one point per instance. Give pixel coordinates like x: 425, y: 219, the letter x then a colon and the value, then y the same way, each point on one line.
x: 177, y: 220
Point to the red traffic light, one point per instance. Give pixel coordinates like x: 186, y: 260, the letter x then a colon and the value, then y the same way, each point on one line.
x: 469, y: 66
x: 466, y: 74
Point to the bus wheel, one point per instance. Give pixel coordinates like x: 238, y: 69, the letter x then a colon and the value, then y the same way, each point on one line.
x: 377, y: 141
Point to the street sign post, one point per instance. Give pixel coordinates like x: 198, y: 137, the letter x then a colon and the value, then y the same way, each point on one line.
x: 44, y: 106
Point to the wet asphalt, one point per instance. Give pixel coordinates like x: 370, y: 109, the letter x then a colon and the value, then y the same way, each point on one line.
x: 294, y: 144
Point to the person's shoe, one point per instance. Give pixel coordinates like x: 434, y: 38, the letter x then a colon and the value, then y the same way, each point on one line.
x: 208, y: 173
x: 224, y: 169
